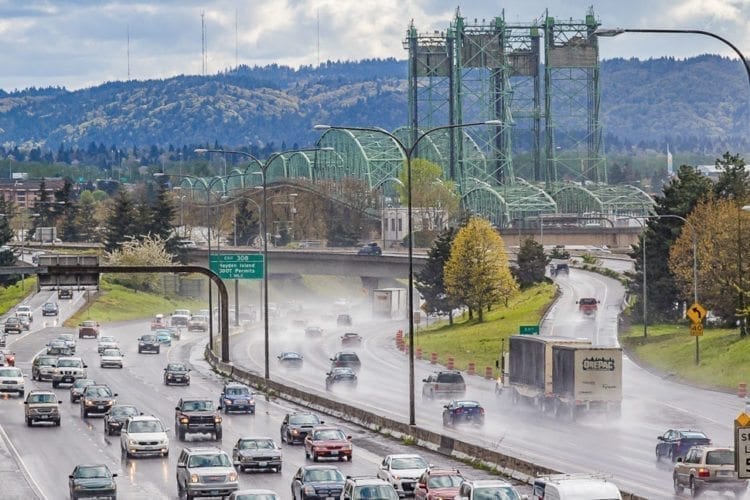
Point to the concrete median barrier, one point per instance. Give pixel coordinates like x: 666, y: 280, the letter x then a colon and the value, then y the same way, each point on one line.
x: 507, y: 465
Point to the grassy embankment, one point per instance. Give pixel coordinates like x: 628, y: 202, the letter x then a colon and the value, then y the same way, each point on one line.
x: 470, y: 341
x: 12, y: 295
x: 671, y: 350
x: 118, y: 303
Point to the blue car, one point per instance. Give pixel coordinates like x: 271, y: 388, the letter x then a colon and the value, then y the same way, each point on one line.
x: 237, y: 397
x: 164, y: 337
x: 463, y: 411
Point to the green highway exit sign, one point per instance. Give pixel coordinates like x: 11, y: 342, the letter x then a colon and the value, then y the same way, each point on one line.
x: 238, y: 266
x: 528, y: 329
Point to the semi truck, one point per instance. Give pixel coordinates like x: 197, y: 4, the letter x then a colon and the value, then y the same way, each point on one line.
x: 564, y: 375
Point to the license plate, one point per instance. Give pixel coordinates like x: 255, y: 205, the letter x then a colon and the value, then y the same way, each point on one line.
x: 67, y: 379
x: 262, y: 464
x: 330, y: 498
x: 334, y: 452
x: 43, y: 417
x: 100, y: 407
x: 723, y: 473
x: 214, y: 492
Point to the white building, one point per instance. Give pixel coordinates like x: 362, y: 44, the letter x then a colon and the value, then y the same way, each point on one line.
x: 395, y: 223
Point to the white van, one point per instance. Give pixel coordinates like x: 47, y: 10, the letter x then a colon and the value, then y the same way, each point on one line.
x: 575, y: 487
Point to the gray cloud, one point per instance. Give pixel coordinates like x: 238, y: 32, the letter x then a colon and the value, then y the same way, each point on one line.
x: 83, y: 42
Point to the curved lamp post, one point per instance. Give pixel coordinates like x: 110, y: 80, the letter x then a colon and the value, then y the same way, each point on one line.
x: 263, y: 165
x: 408, y: 152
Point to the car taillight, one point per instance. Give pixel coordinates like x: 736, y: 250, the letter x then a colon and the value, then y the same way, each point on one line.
x: 481, y: 411
x: 704, y: 473
x: 459, y: 410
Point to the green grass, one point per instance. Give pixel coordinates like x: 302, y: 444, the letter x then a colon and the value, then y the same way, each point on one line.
x: 671, y: 349
x: 471, y: 341
x: 12, y: 295
x: 118, y: 303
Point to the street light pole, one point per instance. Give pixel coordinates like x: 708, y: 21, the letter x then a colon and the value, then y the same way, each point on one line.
x: 263, y: 171
x: 408, y: 152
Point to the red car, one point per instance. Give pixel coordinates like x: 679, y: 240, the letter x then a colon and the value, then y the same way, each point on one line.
x: 436, y: 484
x: 587, y: 306
x: 328, y: 442
x: 10, y: 357
x: 88, y: 328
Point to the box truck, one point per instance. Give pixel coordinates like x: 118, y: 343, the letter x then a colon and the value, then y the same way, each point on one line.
x: 390, y: 303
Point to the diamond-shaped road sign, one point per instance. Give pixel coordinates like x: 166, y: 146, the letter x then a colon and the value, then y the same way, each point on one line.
x: 696, y: 313
x: 742, y: 445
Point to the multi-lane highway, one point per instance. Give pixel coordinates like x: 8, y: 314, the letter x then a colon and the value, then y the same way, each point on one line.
x: 50, y: 453
x: 622, y: 448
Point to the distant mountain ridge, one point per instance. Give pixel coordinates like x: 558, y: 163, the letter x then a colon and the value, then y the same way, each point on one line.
x: 698, y: 104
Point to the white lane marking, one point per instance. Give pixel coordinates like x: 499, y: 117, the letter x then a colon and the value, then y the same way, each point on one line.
x: 24, y: 469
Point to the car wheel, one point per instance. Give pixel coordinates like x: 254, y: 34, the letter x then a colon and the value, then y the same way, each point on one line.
x: 670, y: 455
x: 21, y: 393
x: 314, y: 456
x: 278, y: 469
x: 218, y: 435
x: 29, y: 422
x: 55, y: 384
x: 658, y: 455
x: 693, y: 488
x: 181, y: 434
x: 514, y: 397
x: 677, y: 486
x: 57, y: 422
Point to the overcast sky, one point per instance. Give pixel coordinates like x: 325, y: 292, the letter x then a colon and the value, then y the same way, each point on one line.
x: 83, y: 43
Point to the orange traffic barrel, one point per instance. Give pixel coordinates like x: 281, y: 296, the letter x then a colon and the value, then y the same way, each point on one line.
x: 433, y: 358
x: 489, y: 373
x: 742, y: 390
x: 449, y: 365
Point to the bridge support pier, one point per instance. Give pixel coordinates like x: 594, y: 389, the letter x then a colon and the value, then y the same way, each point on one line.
x: 370, y: 284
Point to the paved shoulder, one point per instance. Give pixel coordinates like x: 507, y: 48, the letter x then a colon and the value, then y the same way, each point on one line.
x: 13, y: 476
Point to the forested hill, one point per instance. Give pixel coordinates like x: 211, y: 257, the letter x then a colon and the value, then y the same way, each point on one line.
x: 698, y: 104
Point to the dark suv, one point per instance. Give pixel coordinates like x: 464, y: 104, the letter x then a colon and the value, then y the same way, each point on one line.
x: 296, y: 426
x: 444, y: 384
x: 237, y: 397
x: 346, y: 359
x: 148, y: 343
x: 193, y: 416
x: 97, y: 399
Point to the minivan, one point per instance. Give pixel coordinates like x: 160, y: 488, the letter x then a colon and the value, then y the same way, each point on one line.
x: 575, y: 487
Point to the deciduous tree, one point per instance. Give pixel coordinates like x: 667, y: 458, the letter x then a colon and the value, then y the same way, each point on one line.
x: 150, y: 250
x: 477, y: 273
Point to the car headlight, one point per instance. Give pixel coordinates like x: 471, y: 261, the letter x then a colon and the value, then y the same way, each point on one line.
x: 227, y: 401
x: 217, y: 419
x: 184, y: 420
x: 87, y: 402
x: 295, y: 431
x: 308, y: 490
x: 193, y: 478
x: 233, y: 476
x: 78, y: 486
x: 348, y: 447
x: 141, y: 344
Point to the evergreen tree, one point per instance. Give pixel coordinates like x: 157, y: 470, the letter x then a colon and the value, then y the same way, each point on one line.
x: 246, y: 222
x: 44, y: 210
x: 66, y: 207
x: 531, y: 263
x: 7, y: 211
x: 121, y: 223
x: 430, y: 280
x: 86, y: 217
x: 734, y: 180
x: 679, y: 198
x: 341, y: 236
x: 163, y: 212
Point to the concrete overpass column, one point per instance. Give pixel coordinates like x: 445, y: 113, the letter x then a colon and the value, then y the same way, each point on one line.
x: 370, y: 284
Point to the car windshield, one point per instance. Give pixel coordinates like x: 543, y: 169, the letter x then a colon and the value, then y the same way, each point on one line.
x: 69, y: 363
x: 181, y: 312
x: 587, y: 302
x: 163, y: 336
x: 98, y: 392
x: 123, y: 411
x: 89, y: 323
x: 450, y: 378
x: 47, y: 361
x: 176, y: 367
x: 218, y: 460
x: 83, y: 382
x: 693, y: 435
x: 10, y: 372
x: 323, y: 475
x: 142, y: 426
x: 720, y: 457
x: 257, y: 444
x: 496, y: 493
x: 96, y: 471
x: 348, y: 357
x: 197, y: 405
x: 290, y: 355
x: 148, y: 338
x: 65, y: 336
x: 42, y: 398
x: 444, y: 481
x: 106, y: 339
x: 466, y: 404
x: 328, y: 434
x: 375, y: 492
x: 111, y: 352
x: 237, y: 391
x: 303, y: 419
x: 343, y: 372
x: 256, y: 496
x: 409, y: 463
